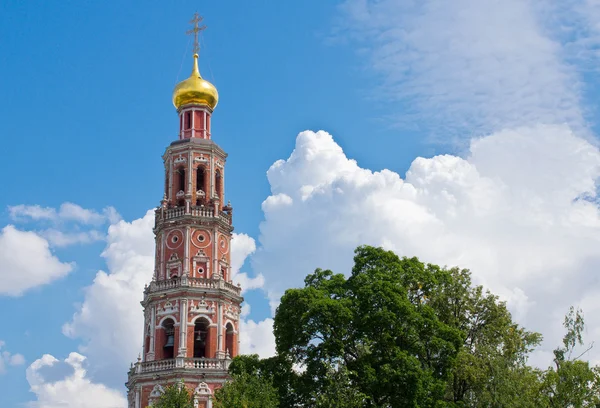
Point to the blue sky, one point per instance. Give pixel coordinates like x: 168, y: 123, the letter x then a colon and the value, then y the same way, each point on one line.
x: 491, y: 105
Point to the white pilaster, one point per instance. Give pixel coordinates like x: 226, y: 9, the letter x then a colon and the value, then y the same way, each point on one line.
x: 193, y: 123
x: 186, y: 255
x: 220, y: 350
x: 152, y: 329
x: 183, y: 328
x: 170, y: 175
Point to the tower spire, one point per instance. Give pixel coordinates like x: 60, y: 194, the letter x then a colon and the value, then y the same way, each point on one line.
x: 195, y: 30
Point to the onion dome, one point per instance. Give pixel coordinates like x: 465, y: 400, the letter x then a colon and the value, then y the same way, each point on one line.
x: 195, y: 90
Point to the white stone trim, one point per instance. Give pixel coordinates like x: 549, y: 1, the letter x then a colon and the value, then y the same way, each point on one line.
x: 201, y: 315
x: 162, y: 320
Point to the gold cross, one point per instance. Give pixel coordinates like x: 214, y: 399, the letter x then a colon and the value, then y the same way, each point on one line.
x: 197, y: 18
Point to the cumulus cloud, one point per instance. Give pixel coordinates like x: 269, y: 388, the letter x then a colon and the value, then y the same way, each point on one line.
x: 110, y: 320
x: 242, y: 246
x: 65, y: 384
x: 511, y: 211
x: 256, y: 337
x: 471, y: 67
x: 9, y: 359
x: 26, y: 262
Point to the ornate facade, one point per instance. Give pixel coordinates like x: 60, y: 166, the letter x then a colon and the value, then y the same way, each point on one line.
x: 191, y: 307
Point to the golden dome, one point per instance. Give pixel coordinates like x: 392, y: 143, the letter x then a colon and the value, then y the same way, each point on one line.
x: 195, y: 90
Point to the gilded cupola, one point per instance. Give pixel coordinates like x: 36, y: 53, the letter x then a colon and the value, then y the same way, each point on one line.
x: 195, y: 90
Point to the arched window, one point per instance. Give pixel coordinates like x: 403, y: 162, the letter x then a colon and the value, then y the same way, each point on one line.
x: 229, y: 334
x: 169, y: 340
x: 181, y: 177
x: 201, y: 338
x: 218, y: 183
x: 188, y: 120
x: 200, y: 179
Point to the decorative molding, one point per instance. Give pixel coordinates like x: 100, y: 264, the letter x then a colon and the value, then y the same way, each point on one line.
x: 168, y: 308
x: 200, y: 307
x: 202, y: 389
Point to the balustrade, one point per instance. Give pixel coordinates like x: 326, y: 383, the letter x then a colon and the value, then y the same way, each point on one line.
x: 204, y: 283
x: 195, y: 211
x: 202, y: 364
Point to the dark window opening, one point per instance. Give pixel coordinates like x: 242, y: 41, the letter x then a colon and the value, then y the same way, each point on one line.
x: 200, y: 338
x: 181, y: 175
x: 229, y: 339
x: 200, y: 179
x: 169, y: 347
x: 188, y: 120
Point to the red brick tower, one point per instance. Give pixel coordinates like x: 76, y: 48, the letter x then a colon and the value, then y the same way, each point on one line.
x: 191, y: 307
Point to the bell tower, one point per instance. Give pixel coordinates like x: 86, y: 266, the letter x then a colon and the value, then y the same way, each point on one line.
x: 191, y: 306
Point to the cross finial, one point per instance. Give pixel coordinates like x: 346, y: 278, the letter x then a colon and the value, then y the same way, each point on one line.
x: 197, y: 19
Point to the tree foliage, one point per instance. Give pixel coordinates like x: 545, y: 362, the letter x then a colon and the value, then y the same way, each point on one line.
x: 400, y: 333
x: 571, y: 382
x: 175, y: 396
x: 248, y: 388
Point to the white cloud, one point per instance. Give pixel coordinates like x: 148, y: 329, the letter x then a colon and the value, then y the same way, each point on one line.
x: 35, y: 212
x: 243, y: 245
x: 72, y: 224
x: 9, y: 359
x: 470, y: 67
x: 64, y: 384
x: 110, y: 319
x: 66, y: 212
x: 257, y: 337
x: 58, y: 238
x: 509, y: 211
x: 26, y: 262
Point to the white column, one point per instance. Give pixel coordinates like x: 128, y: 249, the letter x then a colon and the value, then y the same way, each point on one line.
x: 190, y: 165
x: 183, y: 327
x: 162, y: 255
x: 137, y: 398
x: 220, y: 328
x: 205, y: 127
x: 170, y: 173
x: 216, y: 269
x: 192, y: 124
x: 212, y: 175
x: 152, y: 329
x: 186, y: 255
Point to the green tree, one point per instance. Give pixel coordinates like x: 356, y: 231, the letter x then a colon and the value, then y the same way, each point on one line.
x: 246, y: 391
x: 491, y: 366
x: 378, y: 324
x: 572, y: 382
x: 401, y: 333
x: 175, y: 396
x: 404, y: 333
